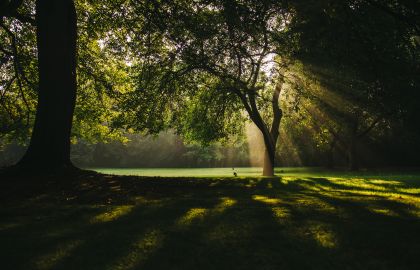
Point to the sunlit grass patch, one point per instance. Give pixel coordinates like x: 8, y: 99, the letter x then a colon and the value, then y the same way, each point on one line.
x: 312, y: 203
x: 389, y: 195
x: 323, y: 235
x: 414, y: 191
x: 225, y: 202
x: 281, y: 213
x: 362, y: 188
x: 357, y: 183
x: 286, y: 179
x: 140, y: 250
x: 385, y: 182
x: 199, y: 213
x: 192, y: 215
x: 310, y: 186
x: 112, y: 214
x: 62, y: 251
x: 319, y: 232
x: 265, y: 199
x: 251, y: 183
x: 383, y: 211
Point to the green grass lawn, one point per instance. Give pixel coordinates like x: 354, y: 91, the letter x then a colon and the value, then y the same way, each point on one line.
x: 302, y: 219
x: 249, y: 172
x: 210, y: 172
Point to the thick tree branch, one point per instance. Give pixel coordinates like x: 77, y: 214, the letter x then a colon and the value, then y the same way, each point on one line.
x: 370, y: 127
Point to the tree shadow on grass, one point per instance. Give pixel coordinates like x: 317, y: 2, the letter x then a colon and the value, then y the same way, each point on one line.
x: 185, y: 223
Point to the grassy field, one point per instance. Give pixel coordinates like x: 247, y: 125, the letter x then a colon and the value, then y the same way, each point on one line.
x: 251, y: 172
x: 302, y: 219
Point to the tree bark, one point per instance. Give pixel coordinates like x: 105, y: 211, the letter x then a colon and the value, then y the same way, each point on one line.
x: 270, y: 146
x: 330, y: 153
x: 353, y: 164
x: 352, y: 148
x: 268, y: 167
x: 269, y: 159
x: 49, y: 147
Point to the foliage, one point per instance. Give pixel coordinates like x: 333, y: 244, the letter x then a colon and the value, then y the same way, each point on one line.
x: 198, y: 57
x: 18, y: 75
x: 352, y: 88
x: 203, y: 68
x: 101, y: 76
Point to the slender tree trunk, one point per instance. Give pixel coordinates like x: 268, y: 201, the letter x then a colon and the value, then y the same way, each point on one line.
x: 268, y: 167
x: 330, y: 154
x: 270, y: 145
x: 269, y: 159
x: 356, y: 137
x: 56, y: 41
x: 352, y: 148
x: 353, y: 162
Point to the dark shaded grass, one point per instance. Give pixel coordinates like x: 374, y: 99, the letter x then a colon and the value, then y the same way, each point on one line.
x: 114, y: 222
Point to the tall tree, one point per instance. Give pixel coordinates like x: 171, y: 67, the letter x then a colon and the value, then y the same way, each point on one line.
x: 225, y: 48
x: 101, y: 76
x: 56, y: 42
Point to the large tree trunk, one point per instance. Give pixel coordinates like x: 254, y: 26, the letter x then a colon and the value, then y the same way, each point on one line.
x: 56, y: 41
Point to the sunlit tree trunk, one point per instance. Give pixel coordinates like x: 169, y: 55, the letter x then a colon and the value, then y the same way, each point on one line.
x: 56, y: 42
x: 269, y: 160
x: 270, y: 147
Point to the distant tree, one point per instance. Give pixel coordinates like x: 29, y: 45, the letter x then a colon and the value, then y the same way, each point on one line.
x: 214, y: 57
